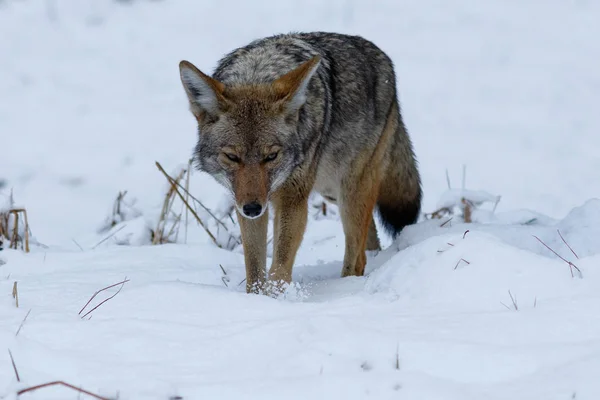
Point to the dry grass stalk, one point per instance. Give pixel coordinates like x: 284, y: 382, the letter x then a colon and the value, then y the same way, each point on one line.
x: 440, y: 213
x: 123, y: 282
x: 569, y: 263
x: 225, y: 277
x: 117, y: 204
x: 15, y: 294
x: 174, y: 189
x: 567, y: 244
x: 447, y: 221
x: 60, y: 383
x: 22, y: 323
x: 105, y: 239
x: 158, y: 235
x: 458, y: 262
x: 513, y: 299
x: 9, y: 228
x: 467, y: 210
x: 12, y: 360
x: 196, y: 201
x: 187, y: 197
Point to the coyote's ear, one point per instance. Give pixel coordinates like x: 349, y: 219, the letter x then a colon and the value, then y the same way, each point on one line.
x: 205, y: 93
x: 291, y: 88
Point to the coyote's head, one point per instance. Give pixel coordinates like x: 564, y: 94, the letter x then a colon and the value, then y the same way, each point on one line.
x: 248, y: 132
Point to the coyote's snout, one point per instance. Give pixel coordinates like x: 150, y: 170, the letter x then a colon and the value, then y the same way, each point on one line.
x: 289, y: 114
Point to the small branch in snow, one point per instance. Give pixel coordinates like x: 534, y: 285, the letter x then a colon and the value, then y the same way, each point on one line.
x: 496, y: 203
x: 449, y: 244
x: 449, y: 219
x: 448, y: 179
x: 105, y: 300
x: 439, y: 213
x: 397, y: 365
x: 12, y: 360
x: 61, y: 383
x: 565, y: 242
x: 458, y: 263
x: 22, y: 323
x: 465, y: 234
x: 224, y: 278
x: 514, y: 301
x: 571, y: 265
x: 77, y: 244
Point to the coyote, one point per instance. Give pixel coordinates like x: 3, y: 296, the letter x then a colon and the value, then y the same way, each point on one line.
x: 292, y: 113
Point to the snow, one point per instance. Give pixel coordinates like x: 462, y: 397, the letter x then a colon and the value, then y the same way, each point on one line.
x: 90, y: 98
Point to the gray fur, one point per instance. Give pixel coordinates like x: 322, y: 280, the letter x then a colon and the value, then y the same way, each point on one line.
x: 347, y: 103
x: 335, y: 128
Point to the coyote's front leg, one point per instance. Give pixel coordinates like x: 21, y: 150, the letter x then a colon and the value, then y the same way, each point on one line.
x: 254, y: 241
x: 291, y: 214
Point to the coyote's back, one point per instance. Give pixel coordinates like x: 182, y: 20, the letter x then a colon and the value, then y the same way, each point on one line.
x: 291, y: 113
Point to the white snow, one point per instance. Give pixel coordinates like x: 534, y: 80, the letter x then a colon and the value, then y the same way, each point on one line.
x: 90, y: 98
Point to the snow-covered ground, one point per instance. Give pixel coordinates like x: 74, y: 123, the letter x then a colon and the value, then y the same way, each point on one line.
x: 90, y: 98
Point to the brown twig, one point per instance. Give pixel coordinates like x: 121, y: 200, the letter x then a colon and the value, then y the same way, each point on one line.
x: 449, y: 219
x: 101, y: 290
x: 22, y: 323
x: 159, y: 236
x: 565, y: 242
x: 12, y: 360
x: 43, y: 385
x: 439, y: 213
x: 458, y: 262
x: 449, y: 244
x: 571, y: 265
x: 173, y: 183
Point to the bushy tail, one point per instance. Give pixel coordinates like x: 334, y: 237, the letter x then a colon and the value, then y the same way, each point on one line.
x: 399, y: 200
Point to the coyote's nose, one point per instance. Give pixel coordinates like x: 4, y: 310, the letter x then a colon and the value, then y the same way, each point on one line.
x: 252, y: 209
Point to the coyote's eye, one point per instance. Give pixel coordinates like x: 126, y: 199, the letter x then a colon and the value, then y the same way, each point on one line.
x: 271, y: 157
x: 232, y: 157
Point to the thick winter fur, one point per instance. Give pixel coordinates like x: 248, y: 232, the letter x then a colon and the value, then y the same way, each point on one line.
x: 293, y: 113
